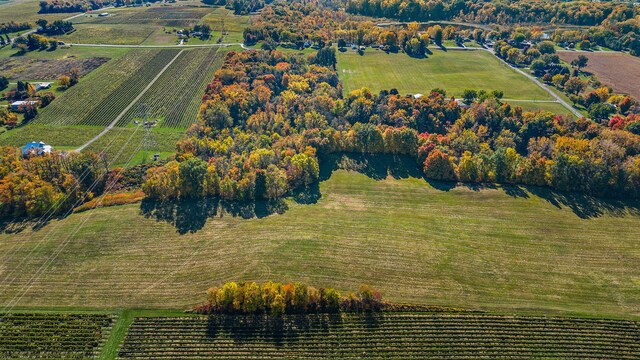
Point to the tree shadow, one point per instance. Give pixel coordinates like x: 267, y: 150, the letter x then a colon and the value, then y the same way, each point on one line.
x: 378, y: 166
x: 582, y: 205
x: 587, y: 206
x: 190, y: 215
x: 277, y: 330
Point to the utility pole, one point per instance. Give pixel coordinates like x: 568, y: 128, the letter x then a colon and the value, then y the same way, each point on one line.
x: 148, y: 142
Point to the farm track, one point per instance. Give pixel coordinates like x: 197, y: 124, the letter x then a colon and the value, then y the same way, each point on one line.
x: 381, y: 336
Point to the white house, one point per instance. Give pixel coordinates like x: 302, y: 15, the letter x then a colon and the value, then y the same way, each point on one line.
x: 43, y: 85
x: 36, y: 148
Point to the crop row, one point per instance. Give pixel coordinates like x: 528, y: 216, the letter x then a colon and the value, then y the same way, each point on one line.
x: 45, y: 335
x: 171, y: 96
x: 169, y: 16
x: 118, y: 100
x: 80, y: 101
x: 400, y: 336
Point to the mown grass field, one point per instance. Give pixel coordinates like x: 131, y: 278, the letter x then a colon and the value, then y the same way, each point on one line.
x: 58, y: 136
x: 453, y: 70
x: 505, y: 250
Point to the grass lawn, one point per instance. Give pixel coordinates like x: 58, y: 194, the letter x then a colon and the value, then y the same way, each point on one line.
x: 233, y: 25
x: 493, y: 249
x: 453, y: 70
x: 553, y: 107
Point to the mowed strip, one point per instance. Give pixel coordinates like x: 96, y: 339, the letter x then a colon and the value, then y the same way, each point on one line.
x: 492, y: 249
x: 453, y: 71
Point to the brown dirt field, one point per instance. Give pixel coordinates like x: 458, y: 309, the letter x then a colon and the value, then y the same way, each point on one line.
x: 618, y: 70
x: 44, y: 69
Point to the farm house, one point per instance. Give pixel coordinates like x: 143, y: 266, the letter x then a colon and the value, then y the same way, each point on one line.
x: 15, y: 106
x: 36, y: 148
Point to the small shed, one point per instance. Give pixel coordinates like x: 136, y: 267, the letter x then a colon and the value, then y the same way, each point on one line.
x: 36, y: 148
x: 43, y: 85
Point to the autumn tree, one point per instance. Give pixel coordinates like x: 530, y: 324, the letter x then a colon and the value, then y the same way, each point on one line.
x: 439, y: 166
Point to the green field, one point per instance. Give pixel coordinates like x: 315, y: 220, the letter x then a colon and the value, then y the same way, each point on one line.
x: 58, y: 136
x: 553, y: 107
x: 453, y: 70
x: 504, y: 250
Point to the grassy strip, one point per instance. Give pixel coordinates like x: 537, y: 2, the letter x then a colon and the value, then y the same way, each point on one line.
x: 118, y: 333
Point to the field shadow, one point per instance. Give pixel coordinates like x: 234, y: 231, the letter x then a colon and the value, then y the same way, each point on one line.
x: 280, y: 330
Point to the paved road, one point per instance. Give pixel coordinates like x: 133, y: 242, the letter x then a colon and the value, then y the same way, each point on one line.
x: 115, y: 121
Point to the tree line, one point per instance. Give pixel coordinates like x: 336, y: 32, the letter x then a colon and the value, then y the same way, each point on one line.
x: 292, y: 298
x: 497, y: 11
x: 12, y: 26
x: 70, y: 6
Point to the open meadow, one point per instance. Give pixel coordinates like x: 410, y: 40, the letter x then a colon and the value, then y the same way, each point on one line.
x: 453, y: 71
x: 509, y: 250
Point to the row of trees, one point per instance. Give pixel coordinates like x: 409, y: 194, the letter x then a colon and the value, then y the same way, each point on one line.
x: 291, y: 298
x: 497, y: 11
x: 239, y: 7
x: 34, y: 42
x: 70, y: 6
x: 12, y: 26
x: 58, y: 27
